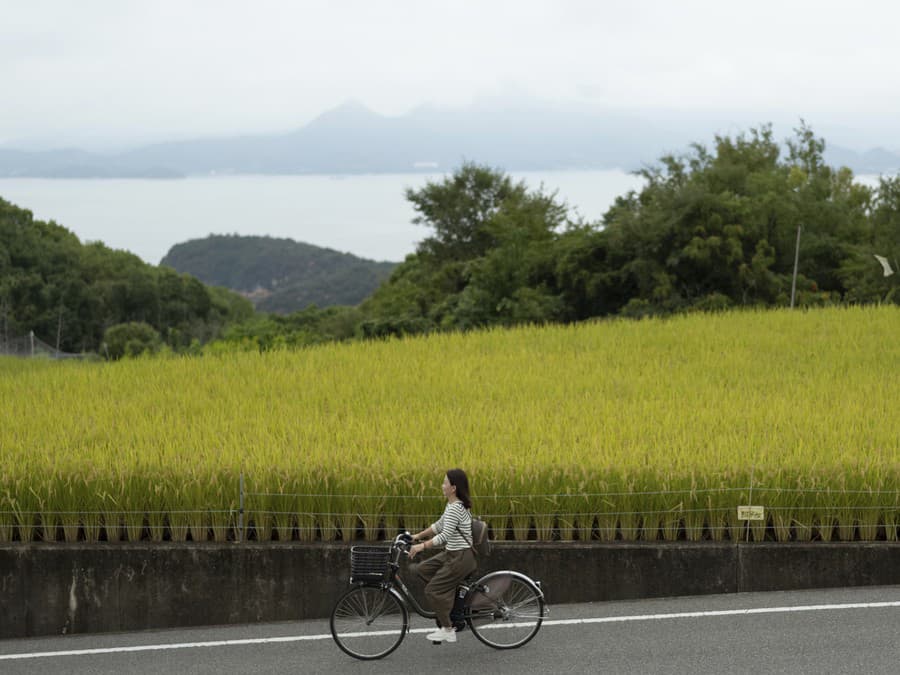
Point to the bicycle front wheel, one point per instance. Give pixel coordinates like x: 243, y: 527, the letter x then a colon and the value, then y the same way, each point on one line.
x: 369, y: 622
x: 505, y: 609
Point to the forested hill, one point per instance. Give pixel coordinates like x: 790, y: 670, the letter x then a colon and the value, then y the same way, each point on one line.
x: 78, y: 297
x: 279, y: 275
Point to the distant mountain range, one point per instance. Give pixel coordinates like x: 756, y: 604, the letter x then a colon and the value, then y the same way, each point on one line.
x: 353, y: 139
x: 279, y: 275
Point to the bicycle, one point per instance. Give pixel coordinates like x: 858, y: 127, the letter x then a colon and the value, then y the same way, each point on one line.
x: 503, y: 609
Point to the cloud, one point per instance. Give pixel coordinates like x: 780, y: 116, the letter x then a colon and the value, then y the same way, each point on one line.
x: 107, y: 68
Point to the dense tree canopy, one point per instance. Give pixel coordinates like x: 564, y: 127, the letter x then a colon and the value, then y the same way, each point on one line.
x: 70, y: 294
x: 710, y: 229
x: 486, y: 263
x: 279, y: 275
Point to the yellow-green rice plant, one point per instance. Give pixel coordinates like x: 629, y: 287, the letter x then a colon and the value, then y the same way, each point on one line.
x: 6, y: 517
x: 871, y: 512
x: 869, y: 522
x: 607, y: 516
x: 824, y: 517
x: 891, y: 522
x: 781, y: 509
x: 178, y: 517
x: 60, y: 507
x: 570, y: 511
x: 371, y: 514
x: 521, y: 507
x: 890, y: 511
x: 310, y: 522
x: 801, y: 511
x: 545, y: 509
x: 310, y: 525
x: 134, y: 525
x: 824, y: 523
x: 802, y: 399
x: 671, y: 520
x: 847, y: 524
x: 394, y: 518
x: 584, y: 500
x: 132, y: 517
x: 782, y: 518
x: 222, y: 519
x: 845, y: 512
x: 722, y: 496
x: 338, y: 520
x: 670, y: 508
x: 758, y: 527
x: 111, y: 513
x: 520, y: 517
x: 157, y: 506
x: 630, y: 509
x: 605, y: 506
x: 346, y: 518
x: 586, y: 509
x: 488, y: 504
x: 282, y: 509
x: 93, y: 523
x: 697, y: 516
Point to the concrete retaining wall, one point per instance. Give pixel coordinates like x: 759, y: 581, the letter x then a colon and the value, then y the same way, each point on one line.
x: 48, y: 589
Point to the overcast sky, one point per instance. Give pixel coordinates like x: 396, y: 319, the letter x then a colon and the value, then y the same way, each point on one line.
x: 95, y: 72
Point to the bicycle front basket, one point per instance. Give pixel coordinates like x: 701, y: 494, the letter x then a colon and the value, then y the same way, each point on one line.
x: 369, y: 563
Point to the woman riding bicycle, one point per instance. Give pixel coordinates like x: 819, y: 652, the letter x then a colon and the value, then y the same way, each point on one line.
x: 444, y: 571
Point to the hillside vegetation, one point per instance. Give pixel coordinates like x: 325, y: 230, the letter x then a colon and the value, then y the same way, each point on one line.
x: 711, y: 229
x: 799, y: 404
x: 279, y: 275
x: 72, y: 294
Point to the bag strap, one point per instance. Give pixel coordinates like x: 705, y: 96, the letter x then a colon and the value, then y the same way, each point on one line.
x: 471, y: 547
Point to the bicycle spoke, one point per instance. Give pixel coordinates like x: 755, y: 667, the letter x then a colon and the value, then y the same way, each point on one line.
x: 506, y: 612
x: 368, y: 622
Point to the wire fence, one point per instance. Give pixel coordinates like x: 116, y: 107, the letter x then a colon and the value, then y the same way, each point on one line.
x: 750, y: 514
x: 31, y: 346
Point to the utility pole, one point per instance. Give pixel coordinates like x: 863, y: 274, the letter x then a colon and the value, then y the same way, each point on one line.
x: 796, y: 260
x: 59, y: 330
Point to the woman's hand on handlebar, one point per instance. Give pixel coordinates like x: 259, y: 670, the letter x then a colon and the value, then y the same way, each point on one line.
x: 415, y: 550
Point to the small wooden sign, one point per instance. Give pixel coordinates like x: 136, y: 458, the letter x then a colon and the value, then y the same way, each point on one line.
x: 751, y: 513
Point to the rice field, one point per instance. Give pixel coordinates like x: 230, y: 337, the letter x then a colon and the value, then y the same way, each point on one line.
x: 632, y: 430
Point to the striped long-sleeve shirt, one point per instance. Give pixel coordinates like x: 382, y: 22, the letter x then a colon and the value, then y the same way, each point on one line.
x: 455, y: 518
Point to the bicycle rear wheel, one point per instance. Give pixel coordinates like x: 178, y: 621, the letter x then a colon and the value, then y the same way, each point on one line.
x: 369, y: 622
x: 505, y: 609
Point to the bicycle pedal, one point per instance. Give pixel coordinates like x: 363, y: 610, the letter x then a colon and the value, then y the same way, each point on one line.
x: 435, y: 642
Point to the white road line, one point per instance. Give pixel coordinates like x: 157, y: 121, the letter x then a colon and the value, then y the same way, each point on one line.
x: 556, y: 622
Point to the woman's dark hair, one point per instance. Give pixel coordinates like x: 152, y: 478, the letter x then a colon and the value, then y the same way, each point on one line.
x: 458, y: 478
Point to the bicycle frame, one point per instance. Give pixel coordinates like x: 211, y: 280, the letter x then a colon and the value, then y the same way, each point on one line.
x: 395, y: 581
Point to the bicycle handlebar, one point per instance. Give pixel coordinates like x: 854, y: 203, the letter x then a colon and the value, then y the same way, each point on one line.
x: 403, y: 541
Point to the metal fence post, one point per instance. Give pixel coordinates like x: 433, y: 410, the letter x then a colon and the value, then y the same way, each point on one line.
x: 796, y: 260
x: 750, y: 497
x: 240, y: 532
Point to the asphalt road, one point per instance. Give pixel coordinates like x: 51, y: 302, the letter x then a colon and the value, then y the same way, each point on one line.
x: 829, y: 631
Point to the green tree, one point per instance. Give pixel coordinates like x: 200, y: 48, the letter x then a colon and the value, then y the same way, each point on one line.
x: 488, y: 260
x: 131, y: 339
x: 719, y: 228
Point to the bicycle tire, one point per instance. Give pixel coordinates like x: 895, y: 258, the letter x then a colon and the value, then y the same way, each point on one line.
x: 505, y: 609
x: 369, y: 622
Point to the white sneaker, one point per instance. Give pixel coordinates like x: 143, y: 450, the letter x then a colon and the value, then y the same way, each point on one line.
x: 442, y: 635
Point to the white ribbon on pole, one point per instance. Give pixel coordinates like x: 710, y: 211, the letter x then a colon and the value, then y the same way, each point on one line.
x: 888, y: 271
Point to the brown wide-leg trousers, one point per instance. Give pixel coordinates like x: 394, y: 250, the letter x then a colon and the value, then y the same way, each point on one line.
x: 442, y: 573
